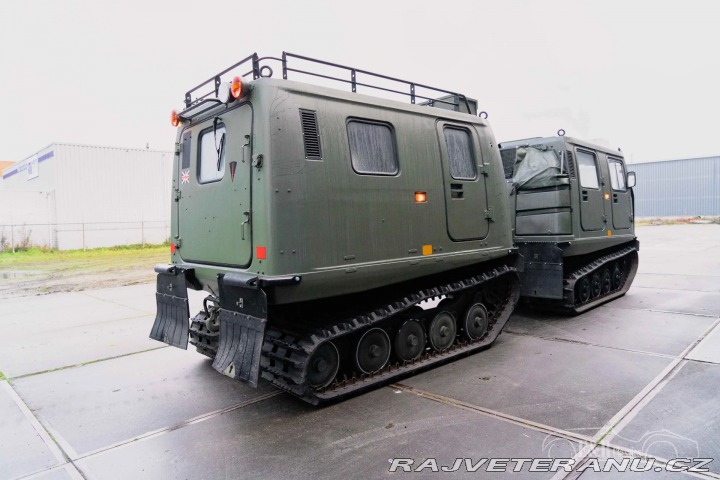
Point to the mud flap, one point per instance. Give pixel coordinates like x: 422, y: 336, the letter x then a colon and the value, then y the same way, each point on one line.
x: 243, y: 317
x: 172, y: 320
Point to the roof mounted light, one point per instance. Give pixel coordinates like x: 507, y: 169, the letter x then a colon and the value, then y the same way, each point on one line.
x: 236, y: 87
x: 174, y: 118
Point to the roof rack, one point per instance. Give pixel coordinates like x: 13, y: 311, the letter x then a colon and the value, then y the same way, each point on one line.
x: 260, y: 67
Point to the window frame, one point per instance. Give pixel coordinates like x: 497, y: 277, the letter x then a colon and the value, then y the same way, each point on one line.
x: 471, y: 143
x: 393, y: 139
x: 198, y: 156
x: 624, y: 172
x: 579, y: 170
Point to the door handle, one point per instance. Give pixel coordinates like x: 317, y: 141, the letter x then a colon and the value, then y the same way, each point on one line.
x: 242, y: 225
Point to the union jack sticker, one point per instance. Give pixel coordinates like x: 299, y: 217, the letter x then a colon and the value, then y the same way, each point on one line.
x: 185, y: 178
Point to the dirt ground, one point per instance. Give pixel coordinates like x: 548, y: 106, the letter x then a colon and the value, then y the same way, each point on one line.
x: 38, y: 273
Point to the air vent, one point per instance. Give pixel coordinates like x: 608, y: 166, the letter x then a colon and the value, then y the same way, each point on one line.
x: 311, y: 135
x: 570, y: 163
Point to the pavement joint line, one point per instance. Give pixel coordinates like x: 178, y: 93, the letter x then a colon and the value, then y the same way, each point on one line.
x: 161, y: 431
x: 69, y: 468
x: 576, y: 437
x: 678, y: 274
x: 625, y: 415
x: 89, y: 362
x: 583, y: 454
x: 707, y: 315
x: 678, y: 289
x: 652, y: 393
x: 589, y: 344
x: 57, y: 452
x: 87, y: 294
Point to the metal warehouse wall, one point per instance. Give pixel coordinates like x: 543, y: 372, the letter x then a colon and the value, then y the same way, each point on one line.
x: 88, y: 196
x: 677, y: 188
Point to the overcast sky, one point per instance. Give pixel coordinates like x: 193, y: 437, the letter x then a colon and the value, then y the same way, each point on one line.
x: 639, y: 75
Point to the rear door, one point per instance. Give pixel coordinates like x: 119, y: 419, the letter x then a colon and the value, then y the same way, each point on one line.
x: 465, y: 196
x: 592, y: 208
x: 214, y: 211
x: 621, y: 200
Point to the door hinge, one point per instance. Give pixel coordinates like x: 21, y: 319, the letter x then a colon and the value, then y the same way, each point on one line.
x: 178, y: 241
x: 485, y: 169
x: 604, y: 219
x: 489, y: 215
x: 178, y: 148
x: 178, y: 194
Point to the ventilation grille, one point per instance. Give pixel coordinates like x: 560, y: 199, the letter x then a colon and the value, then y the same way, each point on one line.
x: 508, y: 160
x: 570, y: 161
x: 311, y: 135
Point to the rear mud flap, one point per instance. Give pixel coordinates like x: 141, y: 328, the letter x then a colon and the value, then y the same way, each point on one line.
x: 243, y: 317
x: 172, y: 321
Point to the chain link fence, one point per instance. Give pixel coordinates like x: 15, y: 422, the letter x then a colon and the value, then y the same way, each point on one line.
x: 81, y: 235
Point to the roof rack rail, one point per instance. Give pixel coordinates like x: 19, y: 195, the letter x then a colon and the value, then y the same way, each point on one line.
x: 260, y: 67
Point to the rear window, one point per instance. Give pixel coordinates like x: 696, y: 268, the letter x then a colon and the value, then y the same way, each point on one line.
x: 460, y: 153
x: 211, y: 157
x: 372, y: 148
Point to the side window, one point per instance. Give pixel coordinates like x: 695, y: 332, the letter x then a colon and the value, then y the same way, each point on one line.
x: 617, y: 174
x: 372, y: 148
x: 587, y: 167
x: 211, y: 155
x: 460, y: 153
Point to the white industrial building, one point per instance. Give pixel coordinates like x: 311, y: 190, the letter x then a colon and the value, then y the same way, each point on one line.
x: 79, y: 196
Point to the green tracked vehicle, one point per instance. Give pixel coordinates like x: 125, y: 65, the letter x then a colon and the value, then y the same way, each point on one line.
x: 344, y: 240
x: 573, y: 221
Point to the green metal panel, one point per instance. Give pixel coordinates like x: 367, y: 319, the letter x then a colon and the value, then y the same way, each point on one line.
x: 592, y: 208
x: 621, y: 199
x: 214, y: 218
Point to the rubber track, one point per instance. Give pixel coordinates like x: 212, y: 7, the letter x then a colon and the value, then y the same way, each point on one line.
x: 285, y: 356
x: 205, y: 341
x: 569, y: 303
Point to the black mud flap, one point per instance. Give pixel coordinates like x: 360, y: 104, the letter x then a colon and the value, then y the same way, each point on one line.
x: 172, y: 321
x: 243, y: 316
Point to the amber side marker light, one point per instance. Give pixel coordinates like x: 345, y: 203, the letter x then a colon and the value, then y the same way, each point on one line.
x: 174, y: 118
x: 236, y: 87
x: 420, y: 197
x: 607, y: 196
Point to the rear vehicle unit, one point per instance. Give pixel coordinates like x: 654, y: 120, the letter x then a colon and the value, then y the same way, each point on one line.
x: 344, y: 240
x: 573, y: 221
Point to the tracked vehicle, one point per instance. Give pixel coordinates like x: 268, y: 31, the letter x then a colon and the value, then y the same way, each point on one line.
x: 573, y: 221
x: 344, y: 240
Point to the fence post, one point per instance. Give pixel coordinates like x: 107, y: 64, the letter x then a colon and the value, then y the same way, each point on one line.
x: 142, y: 233
x: 83, y: 235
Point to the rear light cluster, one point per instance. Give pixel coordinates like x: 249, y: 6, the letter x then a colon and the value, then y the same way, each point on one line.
x: 226, y: 92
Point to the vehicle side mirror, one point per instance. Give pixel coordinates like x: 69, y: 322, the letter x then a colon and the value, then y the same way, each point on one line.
x: 631, y: 180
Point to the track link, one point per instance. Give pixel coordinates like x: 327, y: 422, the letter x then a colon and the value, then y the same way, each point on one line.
x: 285, y: 356
x: 202, y: 336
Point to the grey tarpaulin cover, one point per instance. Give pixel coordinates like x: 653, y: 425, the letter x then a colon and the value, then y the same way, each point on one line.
x: 535, y: 168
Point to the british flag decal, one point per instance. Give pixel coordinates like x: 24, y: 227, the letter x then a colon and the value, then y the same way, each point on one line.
x: 185, y: 177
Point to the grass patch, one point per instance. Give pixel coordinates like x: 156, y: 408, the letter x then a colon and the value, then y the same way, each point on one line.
x: 2, y: 377
x: 41, y: 255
